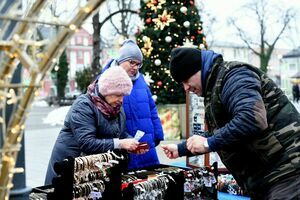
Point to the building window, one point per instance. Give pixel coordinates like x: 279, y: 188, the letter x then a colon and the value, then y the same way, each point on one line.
x: 245, y: 54
x: 292, y: 67
x: 79, y: 40
x: 87, y: 60
x: 236, y: 53
x: 80, y: 55
x: 85, y: 41
x: 72, y: 42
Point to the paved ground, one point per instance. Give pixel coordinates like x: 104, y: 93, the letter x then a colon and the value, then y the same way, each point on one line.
x: 39, y: 140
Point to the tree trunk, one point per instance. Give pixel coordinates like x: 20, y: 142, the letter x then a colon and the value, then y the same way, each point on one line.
x: 96, y: 68
x: 264, y: 63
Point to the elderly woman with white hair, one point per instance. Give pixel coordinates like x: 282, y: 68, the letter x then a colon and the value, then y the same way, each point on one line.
x: 95, y: 122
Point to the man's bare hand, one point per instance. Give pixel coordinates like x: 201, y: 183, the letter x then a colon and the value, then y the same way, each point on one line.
x: 170, y: 150
x: 195, y: 144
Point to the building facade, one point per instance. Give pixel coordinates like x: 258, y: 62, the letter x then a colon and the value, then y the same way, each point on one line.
x: 234, y: 52
x: 79, y: 53
x: 290, y: 69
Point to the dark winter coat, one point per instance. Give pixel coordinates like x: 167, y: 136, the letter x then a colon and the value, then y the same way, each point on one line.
x: 252, y: 125
x: 86, y: 131
x: 141, y: 114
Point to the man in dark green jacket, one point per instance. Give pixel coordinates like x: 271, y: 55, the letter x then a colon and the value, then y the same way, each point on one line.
x: 251, y: 124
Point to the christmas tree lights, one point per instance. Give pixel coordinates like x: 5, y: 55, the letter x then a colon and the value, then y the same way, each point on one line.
x: 167, y: 25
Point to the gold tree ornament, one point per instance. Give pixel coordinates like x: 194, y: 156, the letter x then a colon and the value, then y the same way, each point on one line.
x: 147, y: 48
x: 155, y: 4
x: 163, y: 20
x: 189, y: 43
x: 202, y: 46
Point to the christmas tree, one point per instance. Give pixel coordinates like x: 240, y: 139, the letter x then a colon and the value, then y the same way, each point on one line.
x: 167, y: 25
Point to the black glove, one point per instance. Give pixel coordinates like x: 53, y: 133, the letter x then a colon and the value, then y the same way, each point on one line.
x: 157, y: 142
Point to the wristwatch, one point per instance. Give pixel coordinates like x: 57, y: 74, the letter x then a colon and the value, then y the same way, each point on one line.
x: 206, y: 146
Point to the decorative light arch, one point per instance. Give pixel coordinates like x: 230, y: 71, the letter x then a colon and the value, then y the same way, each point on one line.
x: 15, y: 52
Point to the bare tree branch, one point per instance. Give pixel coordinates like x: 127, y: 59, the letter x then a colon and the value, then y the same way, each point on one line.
x: 125, y: 19
x: 263, y: 12
x: 241, y: 33
x: 109, y: 17
x: 289, y: 15
x: 97, y: 40
x: 209, y: 22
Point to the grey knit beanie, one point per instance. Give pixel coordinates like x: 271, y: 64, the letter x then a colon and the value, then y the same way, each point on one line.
x: 129, y: 50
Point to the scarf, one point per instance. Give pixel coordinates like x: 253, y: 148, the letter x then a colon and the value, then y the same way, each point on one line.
x: 107, y: 110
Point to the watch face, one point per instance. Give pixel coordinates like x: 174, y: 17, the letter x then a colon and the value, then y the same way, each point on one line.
x: 205, y: 144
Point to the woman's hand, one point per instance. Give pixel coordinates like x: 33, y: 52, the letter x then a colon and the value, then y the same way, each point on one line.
x: 142, y: 148
x: 128, y: 144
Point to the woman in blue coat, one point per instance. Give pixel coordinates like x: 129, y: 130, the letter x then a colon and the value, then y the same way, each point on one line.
x: 95, y: 123
x: 139, y: 107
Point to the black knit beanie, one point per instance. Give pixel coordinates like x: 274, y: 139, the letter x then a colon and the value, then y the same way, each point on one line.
x: 184, y: 63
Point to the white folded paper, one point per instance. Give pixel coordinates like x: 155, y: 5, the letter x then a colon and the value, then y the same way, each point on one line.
x: 139, y: 134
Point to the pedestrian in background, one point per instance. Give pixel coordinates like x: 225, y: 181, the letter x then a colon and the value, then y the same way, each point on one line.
x: 251, y: 124
x: 95, y: 122
x: 140, y: 108
x: 296, y: 92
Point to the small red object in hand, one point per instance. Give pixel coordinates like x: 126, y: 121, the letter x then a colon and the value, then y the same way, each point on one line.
x: 143, y: 147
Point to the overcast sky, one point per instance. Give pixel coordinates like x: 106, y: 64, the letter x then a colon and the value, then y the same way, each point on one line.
x: 222, y: 10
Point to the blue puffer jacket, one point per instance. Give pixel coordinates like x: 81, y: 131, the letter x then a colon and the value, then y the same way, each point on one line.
x: 141, y: 114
